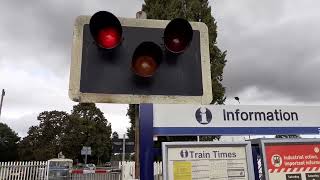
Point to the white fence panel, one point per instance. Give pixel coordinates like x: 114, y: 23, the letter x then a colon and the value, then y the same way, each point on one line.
x: 157, y: 171
x: 37, y: 170
x: 34, y: 170
x: 128, y: 170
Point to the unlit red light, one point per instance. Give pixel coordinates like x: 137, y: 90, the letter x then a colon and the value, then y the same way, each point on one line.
x: 176, y: 44
x: 177, y: 35
x: 144, y: 66
x: 108, y: 37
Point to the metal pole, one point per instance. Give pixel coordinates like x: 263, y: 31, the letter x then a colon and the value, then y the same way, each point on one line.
x: 137, y: 142
x: 238, y: 99
x: 2, y: 95
x: 85, y: 158
x: 139, y: 15
x: 123, y: 148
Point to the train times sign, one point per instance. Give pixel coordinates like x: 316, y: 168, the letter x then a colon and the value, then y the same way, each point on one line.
x: 207, y: 160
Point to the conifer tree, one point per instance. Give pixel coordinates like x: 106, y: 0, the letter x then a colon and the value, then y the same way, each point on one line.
x: 192, y: 10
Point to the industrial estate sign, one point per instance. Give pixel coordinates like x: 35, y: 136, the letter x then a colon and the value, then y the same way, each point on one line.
x: 190, y: 160
x: 295, y: 160
x: 239, y: 119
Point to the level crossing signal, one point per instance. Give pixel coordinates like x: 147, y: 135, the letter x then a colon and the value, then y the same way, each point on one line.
x: 123, y: 60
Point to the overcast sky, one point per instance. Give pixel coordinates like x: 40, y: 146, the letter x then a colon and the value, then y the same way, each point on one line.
x: 272, y: 51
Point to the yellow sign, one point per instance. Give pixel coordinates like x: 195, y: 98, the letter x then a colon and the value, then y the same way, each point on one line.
x: 182, y: 170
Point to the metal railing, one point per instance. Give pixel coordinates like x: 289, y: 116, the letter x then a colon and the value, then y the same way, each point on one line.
x: 109, y: 176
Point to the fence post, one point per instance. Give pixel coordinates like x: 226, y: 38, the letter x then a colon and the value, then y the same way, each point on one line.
x: 10, y: 164
x: 5, y: 169
x: 45, y: 171
x: 1, y: 168
x: 24, y: 164
x: 19, y: 170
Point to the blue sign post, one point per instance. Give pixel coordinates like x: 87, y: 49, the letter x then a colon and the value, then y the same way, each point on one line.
x: 146, y: 141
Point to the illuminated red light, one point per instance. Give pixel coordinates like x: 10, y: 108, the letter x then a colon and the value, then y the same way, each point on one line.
x: 108, y: 38
x: 106, y: 29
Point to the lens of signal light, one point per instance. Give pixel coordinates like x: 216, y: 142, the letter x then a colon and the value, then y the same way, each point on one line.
x: 178, y: 35
x: 146, y: 59
x: 106, y: 29
x: 108, y: 37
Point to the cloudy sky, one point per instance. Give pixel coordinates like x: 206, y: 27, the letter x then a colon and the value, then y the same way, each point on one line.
x: 273, y: 53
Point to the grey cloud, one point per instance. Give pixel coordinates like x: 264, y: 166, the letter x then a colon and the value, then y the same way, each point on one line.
x: 247, y: 12
x: 280, y: 56
x: 35, y: 47
x: 44, y: 28
x: 21, y: 124
x: 281, y: 59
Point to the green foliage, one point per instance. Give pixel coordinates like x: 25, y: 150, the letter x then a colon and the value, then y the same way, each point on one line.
x: 192, y: 10
x: 132, y: 112
x: 68, y: 133
x: 44, y: 141
x: 118, y: 157
x: 8, y: 143
x: 96, y: 132
x: 115, y: 136
x: 209, y: 138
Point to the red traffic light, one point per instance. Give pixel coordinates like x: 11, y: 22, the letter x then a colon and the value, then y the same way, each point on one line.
x: 146, y: 59
x: 106, y: 29
x: 177, y: 35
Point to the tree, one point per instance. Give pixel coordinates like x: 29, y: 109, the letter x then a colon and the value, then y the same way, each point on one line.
x: 8, y: 143
x: 192, y: 10
x: 43, y: 142
x: 95, y: 132
x: 68, y: 133
x: 74, y: 139
x: 132, y: 112
x: 115, y: 136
